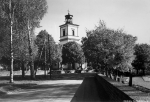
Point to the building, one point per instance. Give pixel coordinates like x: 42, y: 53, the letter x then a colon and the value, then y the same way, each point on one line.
x: 68, y: 31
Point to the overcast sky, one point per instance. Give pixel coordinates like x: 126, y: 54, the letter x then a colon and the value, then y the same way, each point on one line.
x: 131, y: 15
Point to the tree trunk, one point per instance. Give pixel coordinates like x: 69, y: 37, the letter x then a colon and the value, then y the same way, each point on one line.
x: 143, y: 71
x: 107, y: 72
x: 45, y: 59
x: 58, y: 65
x: 11, y: 47
x: 130, y: 80
x: 23, y: 69
x: 45, y: 70
x: 30, y: 53
x: 116, y: 75
x: 73, y: 65
x: 51, y: 71
x: 110, y: 73
x: 81, y: 66
x: 137, y: 71
x: 61, y: 66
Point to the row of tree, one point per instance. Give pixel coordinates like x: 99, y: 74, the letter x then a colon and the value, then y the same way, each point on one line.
x: 111, y: 50
x: 18, y: 19
x: 142, y: 59
x: 49, y: 53
x: 20, y: 46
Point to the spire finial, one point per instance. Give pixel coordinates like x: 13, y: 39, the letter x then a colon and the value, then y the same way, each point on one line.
x: 68, y: 11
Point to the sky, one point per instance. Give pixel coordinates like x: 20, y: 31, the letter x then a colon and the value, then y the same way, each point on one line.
x: 133, y: 16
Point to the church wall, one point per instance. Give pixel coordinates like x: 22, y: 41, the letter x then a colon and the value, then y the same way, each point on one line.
x: 61, y: 31
x: 73, y: 40
x: 63, y: 42
x: 70, y: 28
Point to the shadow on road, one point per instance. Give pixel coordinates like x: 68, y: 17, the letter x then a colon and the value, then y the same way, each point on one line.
x: 25, y: 92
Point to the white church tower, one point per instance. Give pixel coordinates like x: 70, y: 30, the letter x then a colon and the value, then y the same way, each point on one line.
x: 68, y: 31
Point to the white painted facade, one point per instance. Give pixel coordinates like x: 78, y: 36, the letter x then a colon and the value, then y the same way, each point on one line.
x: 68, y: 32
x: 72, y: 28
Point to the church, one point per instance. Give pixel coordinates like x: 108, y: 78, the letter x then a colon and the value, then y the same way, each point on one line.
x: 68, y: 32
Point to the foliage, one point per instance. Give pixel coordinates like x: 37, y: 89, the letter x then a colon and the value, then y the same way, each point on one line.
x: 21, y: 18
x: 142, y: 59
x: 46, y: 45
x: 21, y: 45
x: 22, y: 10
x: 72, y: 53
x: 109, y: 48
x: 58, y: 53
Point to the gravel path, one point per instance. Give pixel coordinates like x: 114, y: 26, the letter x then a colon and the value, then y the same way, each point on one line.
x: 45, y: 91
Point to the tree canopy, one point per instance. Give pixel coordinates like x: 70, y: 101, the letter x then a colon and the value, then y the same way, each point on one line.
x: 109, y: 48
x: 46, y: 45
x: 72, y: 53
x: 21, y: 17
x: 142, y: 59
x: 21, y: 11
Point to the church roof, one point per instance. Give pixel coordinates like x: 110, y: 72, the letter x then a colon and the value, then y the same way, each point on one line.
x: 69, y: 24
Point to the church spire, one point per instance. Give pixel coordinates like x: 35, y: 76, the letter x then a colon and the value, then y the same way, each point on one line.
x: 68, y: 18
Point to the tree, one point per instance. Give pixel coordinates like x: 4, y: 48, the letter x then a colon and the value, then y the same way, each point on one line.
x: 57, y: 53
x: 34, y: 10
x: 72, y: 53
x: 21, y: 51
x: 109, y: 49
x: 142, y: 59
x: 23, y: 15
x: 7, y: 9
x: 20, y: 45
x: 48, y: 51
x: 55, y: 56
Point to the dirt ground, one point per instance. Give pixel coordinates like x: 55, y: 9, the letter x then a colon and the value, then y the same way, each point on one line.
x: 61, y: 88
x: 43, y: 91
